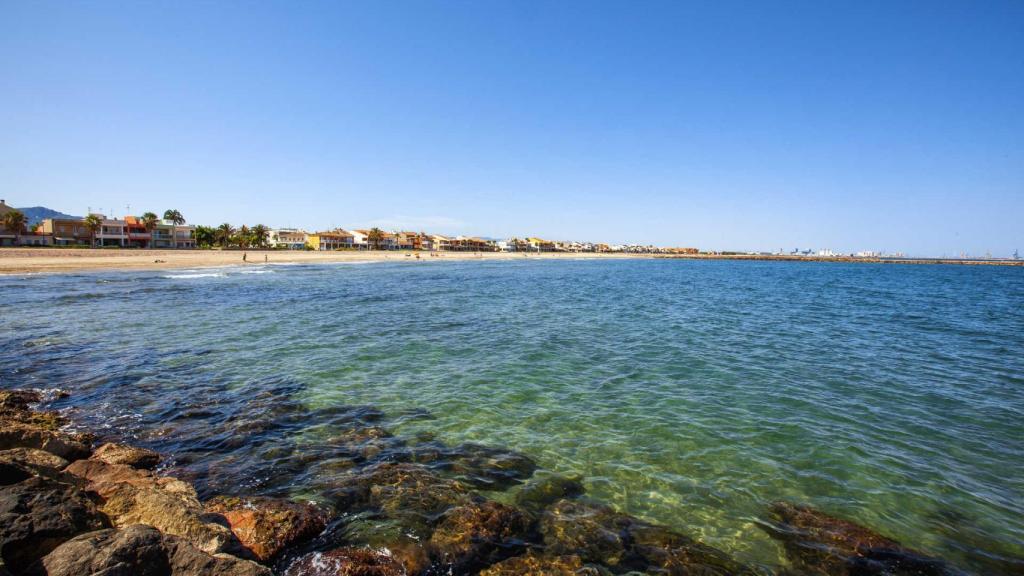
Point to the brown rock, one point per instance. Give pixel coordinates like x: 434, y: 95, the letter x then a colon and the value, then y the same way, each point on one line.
x: 20, y: 464
x: 346, y: 562
x: 27, y: 435
x: 593, y: 532
x: 132, y: 496
x: 407, y: 492
x: 822, y: 544
x: 377, y: 533
x: 478, y: 534
x: 37, y: 514
x: 129, y: 455
x: 674, y: 554
x: 139, y: 550
x: 536, y: 565
x: 266, y: 526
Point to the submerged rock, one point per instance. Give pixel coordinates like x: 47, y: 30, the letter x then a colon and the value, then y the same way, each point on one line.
x: 409, y: 493
x: 129, y: 455
x: 539, y: 493
x: 474, y: 535
x: 823, y: 544
x: 349, y: 561
x: 478, y: 466
x: 266, y: 526
x: 132, y: 496
x: 536, y: 565
x: 656, y: 548
x: 37, y: 514
x: 593, y: 532
x: 598, y: 534
x: 381, y: 533
x: 139, y: 550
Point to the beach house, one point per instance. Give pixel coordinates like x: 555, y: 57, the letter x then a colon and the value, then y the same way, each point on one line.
x: 136, y: 235
x: 288, y: 238
x: 440, y: 243
x: 111, y: 232
x: 330, y: 240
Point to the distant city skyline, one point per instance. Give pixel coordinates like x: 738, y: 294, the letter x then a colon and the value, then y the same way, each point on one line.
x: 725, y: 127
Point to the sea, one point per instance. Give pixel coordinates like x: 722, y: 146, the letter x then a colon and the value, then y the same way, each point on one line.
x: 692, y: 394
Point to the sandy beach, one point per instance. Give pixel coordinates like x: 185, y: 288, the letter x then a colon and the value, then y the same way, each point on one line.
x: 55, y: 260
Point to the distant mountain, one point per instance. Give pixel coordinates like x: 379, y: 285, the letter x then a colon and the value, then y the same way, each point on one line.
x: 37, y: 214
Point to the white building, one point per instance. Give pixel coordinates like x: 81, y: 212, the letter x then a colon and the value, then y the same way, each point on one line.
x: 288, y: 238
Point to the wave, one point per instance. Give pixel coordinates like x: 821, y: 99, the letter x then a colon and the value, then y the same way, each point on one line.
x: 196, y: 275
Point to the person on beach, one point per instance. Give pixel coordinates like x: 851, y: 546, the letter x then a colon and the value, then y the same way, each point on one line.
x: 243, y: 256
x: 265, y: 259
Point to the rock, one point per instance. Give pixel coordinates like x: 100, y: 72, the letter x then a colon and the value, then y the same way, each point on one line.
x: 133, y: 496
x: 18, y: 400
x: 474, y: 535
x: 364, y: 442
x: 139, y: 550
x: 24, y: 435
x: 37, y: 514
x: 476, y: 465
x: 379, y: 533
x: 542, y: 492
x: 598, y: 534
x: 535, y: 565
x: 593, y: 532
x: 406, y: 492
x: 129, y: 455
x: 20, y: 464
x: 823, y: 544
x: 658, y: 549
x: 347, y: 561
x: 266, y: 526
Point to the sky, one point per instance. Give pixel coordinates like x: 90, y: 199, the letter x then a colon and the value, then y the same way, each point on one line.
x: 861, y: 125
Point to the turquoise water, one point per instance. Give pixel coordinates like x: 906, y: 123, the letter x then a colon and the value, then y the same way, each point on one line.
x: 692, y: 394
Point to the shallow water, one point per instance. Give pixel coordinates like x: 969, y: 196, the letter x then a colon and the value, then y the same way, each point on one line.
x: 692, y: 394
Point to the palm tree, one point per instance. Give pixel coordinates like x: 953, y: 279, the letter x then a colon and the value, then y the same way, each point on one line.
x: 174, y: 216
x: 224, y: 233
x: 93, y: 223
x: 375, y: 236
x: 244, y: 236
x: 14, y: 221
x: 149, y: 220
x: 260, y: 233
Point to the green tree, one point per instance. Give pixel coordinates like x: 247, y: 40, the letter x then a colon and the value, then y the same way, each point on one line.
x: 174, y: 216
x: 14, y: 221
x: 205, y: 236
x: 93, y: 223
x: 244, y: 237
x: 375, y: 237
x: 149, y: 221
x: 260, y: 235
x: 225, y: 233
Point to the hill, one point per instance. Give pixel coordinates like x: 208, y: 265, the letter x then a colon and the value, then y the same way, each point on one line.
x: 37, y: 214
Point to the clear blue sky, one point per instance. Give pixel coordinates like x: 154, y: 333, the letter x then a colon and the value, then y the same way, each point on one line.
x: 724, y: 125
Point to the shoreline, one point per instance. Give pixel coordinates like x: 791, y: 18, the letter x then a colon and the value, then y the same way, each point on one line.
x: 15, y: 261
x: 129, y: 512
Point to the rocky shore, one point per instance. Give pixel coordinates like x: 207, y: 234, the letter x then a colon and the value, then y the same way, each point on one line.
x: 69, y: 507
